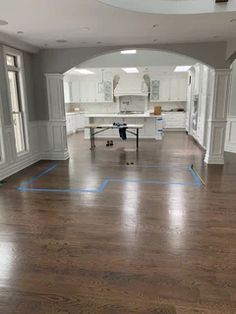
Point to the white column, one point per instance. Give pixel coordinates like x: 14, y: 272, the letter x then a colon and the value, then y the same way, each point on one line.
x: 230, y: 141
x: 56, y: 130
x: 217, y: 117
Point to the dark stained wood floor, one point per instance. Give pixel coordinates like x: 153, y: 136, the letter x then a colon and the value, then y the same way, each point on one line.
x: 135, y: 248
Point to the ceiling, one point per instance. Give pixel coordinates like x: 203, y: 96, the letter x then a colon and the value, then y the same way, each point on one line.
x: 161, y: 70
x: 142, y: 58
x: 173, y: 6
x: 85, y: 23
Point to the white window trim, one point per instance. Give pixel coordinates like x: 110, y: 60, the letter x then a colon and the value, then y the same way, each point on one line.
x: 19, y: 55
x: 2, y: 150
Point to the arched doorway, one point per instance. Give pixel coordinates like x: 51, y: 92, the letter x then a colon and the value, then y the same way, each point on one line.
x: 216, y: 77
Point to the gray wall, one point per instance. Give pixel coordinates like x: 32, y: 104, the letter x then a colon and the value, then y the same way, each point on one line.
x: 61, y: 60
x: 28, y: 66
x: 232, y: 96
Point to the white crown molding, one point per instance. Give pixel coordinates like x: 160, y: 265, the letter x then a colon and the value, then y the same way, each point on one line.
x: 13, y: 42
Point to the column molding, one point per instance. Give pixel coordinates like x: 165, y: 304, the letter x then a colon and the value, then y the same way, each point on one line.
x: 217, y: 119
x: 56, y: 129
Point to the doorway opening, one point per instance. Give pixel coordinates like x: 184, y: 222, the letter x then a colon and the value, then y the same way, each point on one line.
x: 164, y: 92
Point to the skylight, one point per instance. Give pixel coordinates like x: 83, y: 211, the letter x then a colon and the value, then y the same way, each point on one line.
x: 128, y: 52
x: 84, y: 71
x: 183, y: 68
x: 130, y: 70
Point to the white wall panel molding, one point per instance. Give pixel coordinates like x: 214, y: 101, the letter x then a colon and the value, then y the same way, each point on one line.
x: 56, y: 147
x: 230, y: 143
x: 218, y: 117
x: 13, y: 164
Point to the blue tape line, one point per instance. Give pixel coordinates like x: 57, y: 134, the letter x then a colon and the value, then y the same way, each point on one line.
x: 195, y: 177
x: 153, y: 182
x: 164, y: 167
x: 100, y: 189
x: 46, y: 171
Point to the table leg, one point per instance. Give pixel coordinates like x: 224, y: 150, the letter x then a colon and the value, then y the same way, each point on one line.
x: 137, y: 139
x: 92, y: 139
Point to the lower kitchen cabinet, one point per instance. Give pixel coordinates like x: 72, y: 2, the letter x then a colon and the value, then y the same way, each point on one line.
x: 174, y: 120
x: 74, y: 122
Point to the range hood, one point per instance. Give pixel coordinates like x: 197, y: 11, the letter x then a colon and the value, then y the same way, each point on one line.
x: 131, y: 85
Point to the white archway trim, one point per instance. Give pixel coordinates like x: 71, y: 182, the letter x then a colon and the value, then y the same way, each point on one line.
x: 172, y: 6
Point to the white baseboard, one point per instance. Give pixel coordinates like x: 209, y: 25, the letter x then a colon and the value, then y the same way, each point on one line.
x: 214, y: 160
x: 54, y: 156
x: 230, y: 148
x: 10, y: 169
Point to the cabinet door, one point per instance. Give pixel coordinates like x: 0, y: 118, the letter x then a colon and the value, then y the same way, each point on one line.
x: 182, y: 89
x: 83, y: 92
x: 91, y: 90
x: 174, y: 89
x: 155, y: 91
x: 69, y: 127
x: 108, y: 91
x: 75, y: 91
x: 165, y: 89
x: 67, y: 92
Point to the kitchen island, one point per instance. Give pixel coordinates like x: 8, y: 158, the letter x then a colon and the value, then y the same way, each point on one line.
x: 151, y: 124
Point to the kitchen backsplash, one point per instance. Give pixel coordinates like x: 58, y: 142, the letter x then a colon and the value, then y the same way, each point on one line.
x: 114, y: 107
x: 93, y: 107
x: 168, y: 106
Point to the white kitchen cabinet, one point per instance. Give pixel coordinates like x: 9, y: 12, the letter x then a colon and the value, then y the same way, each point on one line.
x: 165, y: 89
x: 168, y: 89
x: 182, y: 89
x: 155, y: 90
x: 67, y: 92
x: 86, y: 91
x: 75, y: 91
x: 174, y: 120
x: 74, y: 122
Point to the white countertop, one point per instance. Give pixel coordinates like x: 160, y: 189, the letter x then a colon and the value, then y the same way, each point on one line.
x: 74, y: 113
x: 117, y: 115
x: 173, y: 112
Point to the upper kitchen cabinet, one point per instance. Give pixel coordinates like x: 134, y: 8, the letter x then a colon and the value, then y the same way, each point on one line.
x: 167, y: 89
x: 67, y: 91
x: 88, y: 91
x: 155, y: 90
x: 75, y: 91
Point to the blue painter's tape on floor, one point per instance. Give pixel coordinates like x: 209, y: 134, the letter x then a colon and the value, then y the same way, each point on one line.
x: 24, y: 187
x: 195, y: 177
x: 46, y: 171
x: 153, y: 182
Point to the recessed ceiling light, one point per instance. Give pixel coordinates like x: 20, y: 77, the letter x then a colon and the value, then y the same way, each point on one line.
x: 155, y: 25
x: 86, y: 28
x: 2, y: 22
x: 61, y: 41
x: 128, y: 52
x: 183, y: 68
x: 233, y: 21
x: 84, y: 71
x: 130, y: 70
x: 20, y: 32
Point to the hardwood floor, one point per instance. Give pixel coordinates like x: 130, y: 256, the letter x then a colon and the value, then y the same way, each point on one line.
x: 150, y: 242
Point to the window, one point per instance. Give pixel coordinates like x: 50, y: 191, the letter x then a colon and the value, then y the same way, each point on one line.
x: 1, y: 137
x: 16, y: 99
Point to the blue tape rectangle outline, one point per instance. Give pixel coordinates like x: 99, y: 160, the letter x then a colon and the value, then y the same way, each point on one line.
x: 24, y: 186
